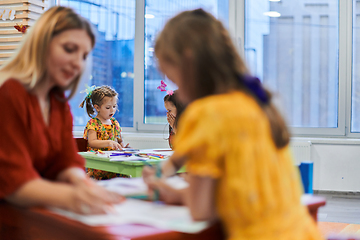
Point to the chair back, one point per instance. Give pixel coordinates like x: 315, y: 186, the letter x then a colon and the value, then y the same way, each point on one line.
x: 81, y: 144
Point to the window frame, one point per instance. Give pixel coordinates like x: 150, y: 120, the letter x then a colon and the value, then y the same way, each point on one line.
x: 139, y: 80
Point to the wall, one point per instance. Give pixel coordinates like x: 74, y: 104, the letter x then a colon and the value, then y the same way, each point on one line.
x: 27, y: 11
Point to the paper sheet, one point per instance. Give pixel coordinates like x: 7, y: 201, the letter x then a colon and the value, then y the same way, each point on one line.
x: 132, y: 186
x: 132, y: 211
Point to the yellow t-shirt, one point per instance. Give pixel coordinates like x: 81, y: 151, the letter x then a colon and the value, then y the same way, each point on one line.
x: 228, y: 137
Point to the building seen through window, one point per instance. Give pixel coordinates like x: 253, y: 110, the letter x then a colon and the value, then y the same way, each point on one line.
x: 293, y: 46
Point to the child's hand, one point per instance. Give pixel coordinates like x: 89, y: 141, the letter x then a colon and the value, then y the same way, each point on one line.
x: 148, y: 174
x: 170, y: 119
x: 166, y: 193
x: 115, y: 145
x: 127, y: 145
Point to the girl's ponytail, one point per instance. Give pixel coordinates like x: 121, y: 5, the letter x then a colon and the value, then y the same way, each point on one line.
x: 88, y: 100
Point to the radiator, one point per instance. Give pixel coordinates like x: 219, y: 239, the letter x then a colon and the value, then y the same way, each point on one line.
x: 301, y: 151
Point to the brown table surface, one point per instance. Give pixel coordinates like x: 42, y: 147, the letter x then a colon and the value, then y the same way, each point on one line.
x: 40, y: 224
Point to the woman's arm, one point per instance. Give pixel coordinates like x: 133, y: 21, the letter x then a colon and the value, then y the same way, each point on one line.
x: 40, y: 192
x: 83, y: 198
x: 95, y: 143
x: 73, y: 175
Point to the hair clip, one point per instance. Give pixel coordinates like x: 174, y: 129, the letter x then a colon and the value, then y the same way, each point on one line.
x: 88, y: 90
x: 162, y: 86
x: 255, y: 86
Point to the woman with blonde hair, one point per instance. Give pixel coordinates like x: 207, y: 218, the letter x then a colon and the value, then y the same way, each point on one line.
x: 38, y: 155
x: 231, y: 137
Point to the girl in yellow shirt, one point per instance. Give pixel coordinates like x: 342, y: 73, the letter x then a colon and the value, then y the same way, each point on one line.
x: 232, y: 138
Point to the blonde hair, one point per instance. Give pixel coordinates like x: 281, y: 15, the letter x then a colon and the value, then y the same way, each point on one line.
x: 28, y: 64
x: 96, y: 97
x: 201, y: 47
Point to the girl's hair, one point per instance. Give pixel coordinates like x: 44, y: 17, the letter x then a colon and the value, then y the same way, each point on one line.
x: 95, y: 98
x: 179, y: 106
x: 28, y: 64
x: 200, y: 45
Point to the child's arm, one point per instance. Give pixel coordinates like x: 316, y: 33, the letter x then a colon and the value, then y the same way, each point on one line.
x: 199, y: 197
x: 95, y: 143
x: 172, y: 165
x: 168, y: 168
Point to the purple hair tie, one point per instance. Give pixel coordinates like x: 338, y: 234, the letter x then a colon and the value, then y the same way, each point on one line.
x: 255, y: 86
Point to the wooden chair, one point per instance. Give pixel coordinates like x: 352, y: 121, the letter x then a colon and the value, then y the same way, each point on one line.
x: 81, y: 144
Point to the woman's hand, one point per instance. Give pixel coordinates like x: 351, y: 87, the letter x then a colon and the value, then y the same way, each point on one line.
x: 114, y: 145
x: 90, y: 198
x: 84, y: 197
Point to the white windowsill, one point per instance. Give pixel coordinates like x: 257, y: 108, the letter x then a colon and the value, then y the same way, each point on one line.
x: 313, y: 140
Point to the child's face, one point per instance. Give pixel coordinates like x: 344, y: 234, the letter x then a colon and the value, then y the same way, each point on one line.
x: 107, y: 108
x: 170, y: 108
x: 66, y: 56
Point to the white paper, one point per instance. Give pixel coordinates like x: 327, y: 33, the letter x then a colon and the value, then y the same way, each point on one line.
x: 132, y: 211
x: 132, y: 186
x: 125, y: 186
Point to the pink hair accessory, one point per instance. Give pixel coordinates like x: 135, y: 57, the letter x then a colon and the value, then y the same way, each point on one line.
x: 162, y: 86
x: 170, y: 92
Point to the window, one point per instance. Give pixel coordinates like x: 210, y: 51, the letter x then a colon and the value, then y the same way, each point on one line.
x: 157, y: 12
x: 293, y: 47
x: 112, y: 60
x: 355, y: 107
x: 305, y: 51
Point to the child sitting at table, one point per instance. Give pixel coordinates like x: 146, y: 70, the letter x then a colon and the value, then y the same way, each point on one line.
x: 103, y: 131
x: 174, y: 109
x: 232, y: 138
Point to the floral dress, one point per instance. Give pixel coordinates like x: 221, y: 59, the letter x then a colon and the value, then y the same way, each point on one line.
x: 103, y: 132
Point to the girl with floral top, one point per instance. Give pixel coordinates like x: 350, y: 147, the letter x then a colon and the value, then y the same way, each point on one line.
x: 103, y: 132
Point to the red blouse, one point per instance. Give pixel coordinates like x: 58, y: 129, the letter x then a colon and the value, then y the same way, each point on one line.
x: 29, y: 148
